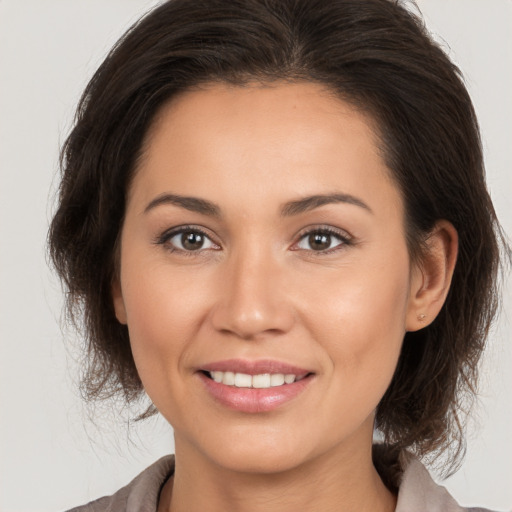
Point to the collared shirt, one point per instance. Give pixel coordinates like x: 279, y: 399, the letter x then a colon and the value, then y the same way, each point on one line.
x: 417, y: 491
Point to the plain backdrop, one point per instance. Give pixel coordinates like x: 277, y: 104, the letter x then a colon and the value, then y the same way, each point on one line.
x: 51, y: 455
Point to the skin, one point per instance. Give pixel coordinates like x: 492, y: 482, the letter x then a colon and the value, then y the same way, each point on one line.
x: 259, y: 290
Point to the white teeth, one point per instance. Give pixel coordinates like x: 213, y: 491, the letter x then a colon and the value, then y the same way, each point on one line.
x: 217, y: 376
x: 278, y: 379
x: 261, y: 381
x: 242, y: 380
x: 228, y: 378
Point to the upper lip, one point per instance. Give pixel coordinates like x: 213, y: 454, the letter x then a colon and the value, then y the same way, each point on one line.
x: 256, y: 367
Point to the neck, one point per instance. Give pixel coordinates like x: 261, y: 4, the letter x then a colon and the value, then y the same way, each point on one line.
x: 343, y: 479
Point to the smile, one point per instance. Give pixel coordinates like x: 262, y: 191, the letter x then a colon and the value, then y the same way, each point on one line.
x: 254, y: 386
x: 261, y: 381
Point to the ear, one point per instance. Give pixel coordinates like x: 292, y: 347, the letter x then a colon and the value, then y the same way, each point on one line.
x: 117, y: 298
x: 431, y: 278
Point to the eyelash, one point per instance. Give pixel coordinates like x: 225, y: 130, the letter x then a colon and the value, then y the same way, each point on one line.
x: 342, y: 236
x: 166, y: 236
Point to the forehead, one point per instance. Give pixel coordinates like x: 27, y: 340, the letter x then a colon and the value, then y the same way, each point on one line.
x: 273, y: 113
x: 263, y: 141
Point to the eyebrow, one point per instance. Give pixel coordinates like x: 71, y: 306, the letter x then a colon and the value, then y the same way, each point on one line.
x: 289, y: 209
x: 193, y: 204
x: 309, y: 203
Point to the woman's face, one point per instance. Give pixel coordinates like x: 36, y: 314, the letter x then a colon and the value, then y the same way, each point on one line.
x: 265, y: 277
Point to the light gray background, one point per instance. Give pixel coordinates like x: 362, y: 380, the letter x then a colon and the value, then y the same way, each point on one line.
x: 51, y: 456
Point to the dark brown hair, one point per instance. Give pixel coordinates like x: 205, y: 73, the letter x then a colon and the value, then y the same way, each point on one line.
x: 373, y: 53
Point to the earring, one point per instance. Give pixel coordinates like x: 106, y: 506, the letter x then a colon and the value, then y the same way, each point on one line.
x: 421, y: 317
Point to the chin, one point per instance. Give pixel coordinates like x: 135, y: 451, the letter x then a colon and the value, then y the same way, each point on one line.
x: 257, y: 461
x: 261, y: 452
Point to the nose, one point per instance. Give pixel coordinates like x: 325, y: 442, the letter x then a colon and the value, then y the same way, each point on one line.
x: 253, y: 299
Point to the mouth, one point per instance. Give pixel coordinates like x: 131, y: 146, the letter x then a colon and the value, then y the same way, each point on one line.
x: 254, y: 386
x: 258, y: 381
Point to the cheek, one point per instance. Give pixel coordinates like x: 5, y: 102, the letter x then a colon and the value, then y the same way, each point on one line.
x: 367, y: 297
x: 164, y: 311
x: 362, y: 325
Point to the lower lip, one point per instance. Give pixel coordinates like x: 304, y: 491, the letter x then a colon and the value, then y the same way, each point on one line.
x: 254, y: 400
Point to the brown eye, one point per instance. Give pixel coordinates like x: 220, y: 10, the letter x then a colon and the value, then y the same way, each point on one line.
x: 322, y: 241
x: 189, y: 241
x: 192, y: 241
x: 319, y: 241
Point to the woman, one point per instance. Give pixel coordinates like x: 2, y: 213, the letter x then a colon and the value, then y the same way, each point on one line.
x: 273, y: 216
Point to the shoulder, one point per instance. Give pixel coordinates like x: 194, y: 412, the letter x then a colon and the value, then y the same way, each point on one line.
x: 417, y: 491
x: 140, y: 495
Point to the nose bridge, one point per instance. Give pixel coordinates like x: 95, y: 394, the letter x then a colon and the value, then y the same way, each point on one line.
x: 251, y: 299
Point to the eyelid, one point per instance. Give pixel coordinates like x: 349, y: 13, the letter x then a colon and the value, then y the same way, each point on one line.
x: 341, y: 234
x: 345, y: 238
x: 168, y: 234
